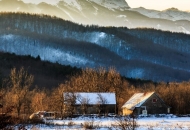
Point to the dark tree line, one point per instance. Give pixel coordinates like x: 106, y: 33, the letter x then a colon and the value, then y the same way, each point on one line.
x: 46, y: 74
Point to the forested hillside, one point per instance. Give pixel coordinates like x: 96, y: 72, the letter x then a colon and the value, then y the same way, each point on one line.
x: 46, y: 75
x: 136, y: 53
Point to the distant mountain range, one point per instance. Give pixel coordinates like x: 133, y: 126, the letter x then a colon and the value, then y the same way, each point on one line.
x: 170, y: 14
x: 137, y: 53
x: 106, y: 13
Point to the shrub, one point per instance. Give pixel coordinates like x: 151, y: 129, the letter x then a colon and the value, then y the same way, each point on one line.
x: 89, y: 125
x: 71, y: 123
x: 125, y: 123
x: 36, y: 121
x: 5, y: 120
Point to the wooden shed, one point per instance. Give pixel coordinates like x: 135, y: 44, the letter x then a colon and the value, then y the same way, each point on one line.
x: 145, y: 103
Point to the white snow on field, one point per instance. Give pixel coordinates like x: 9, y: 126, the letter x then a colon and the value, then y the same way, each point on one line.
x: 164, y: 123
x: 105, y: 123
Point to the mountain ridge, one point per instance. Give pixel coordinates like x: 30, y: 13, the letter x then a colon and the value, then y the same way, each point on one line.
x: 172, y: 14
x: 92, y: 12
x: 136, y: 53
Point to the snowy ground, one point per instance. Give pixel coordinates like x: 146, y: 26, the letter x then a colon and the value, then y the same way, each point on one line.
x: 177, y: 123
x: 144, y: 123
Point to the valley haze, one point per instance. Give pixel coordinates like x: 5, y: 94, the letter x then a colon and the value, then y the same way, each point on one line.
x: 159, y: 42
x: 106, y: 13
x: 149, y: 4
x: 136, y: 53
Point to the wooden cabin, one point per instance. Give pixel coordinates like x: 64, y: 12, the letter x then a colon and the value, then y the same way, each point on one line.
x: 144, y: 104
x: 91, y: 103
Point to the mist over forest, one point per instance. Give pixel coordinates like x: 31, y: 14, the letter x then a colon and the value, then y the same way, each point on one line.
x: 135, y: 53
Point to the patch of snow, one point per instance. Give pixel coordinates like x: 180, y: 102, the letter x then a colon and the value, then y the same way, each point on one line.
x: 55, y: 55
x: 158, y: 25
x: 73, y: 3
x: 121, y: 9
x: 102, y: 35
x: 164, y: 123
x: 112, y: 4
x: 7, y: 37
x: 53, y: 2
x: 83, y: 14
x: 121, y: 16
x: 136, y: 73
x: 98, y: 36
x: 96, y: 10
x: 68, y: 14
x: 18, y: 8
x: 184, y: 30
x: 146, y: 12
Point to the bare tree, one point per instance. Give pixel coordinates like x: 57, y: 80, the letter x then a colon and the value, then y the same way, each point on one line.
x: 84, y: 102
x: 5, y: 113
x: 39, y: 100
x: 1, y: 79
x: 69, y: 103
x: 101, y: 104
x: 19, y: 81
x: 57, y: 100
x: 116, y: 85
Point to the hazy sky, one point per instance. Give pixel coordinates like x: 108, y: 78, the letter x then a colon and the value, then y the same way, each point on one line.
x: 149, y: 4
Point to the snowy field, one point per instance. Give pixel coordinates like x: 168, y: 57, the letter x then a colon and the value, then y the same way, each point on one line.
x: 144, y: 123
x: 177, y: 123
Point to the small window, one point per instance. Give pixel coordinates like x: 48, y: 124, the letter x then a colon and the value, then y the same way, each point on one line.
x: 154, y: 100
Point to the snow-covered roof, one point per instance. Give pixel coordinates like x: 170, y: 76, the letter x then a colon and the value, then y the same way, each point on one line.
x: 95, y: 98
x: 137, y: 100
